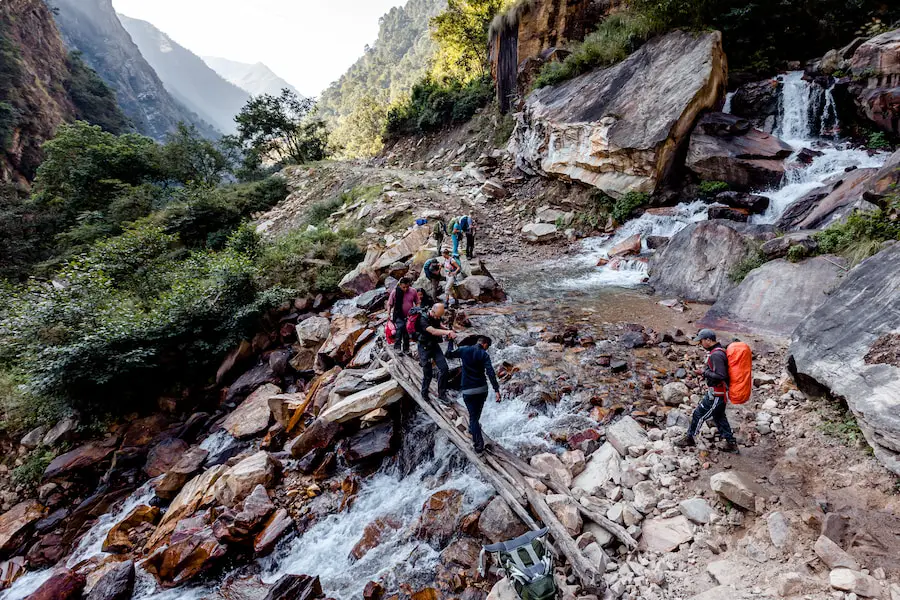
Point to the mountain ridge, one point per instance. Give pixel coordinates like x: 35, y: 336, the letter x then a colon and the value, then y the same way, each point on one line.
x: 255, y: 79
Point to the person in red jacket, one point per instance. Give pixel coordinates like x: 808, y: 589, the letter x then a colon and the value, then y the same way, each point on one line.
x: 713, y: 404
x: 402, y: 300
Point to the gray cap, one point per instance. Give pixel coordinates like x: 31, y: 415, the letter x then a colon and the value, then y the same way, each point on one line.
x: 705, y: 334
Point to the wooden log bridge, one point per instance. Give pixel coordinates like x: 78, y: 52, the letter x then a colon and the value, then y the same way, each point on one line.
x: 507, y: 473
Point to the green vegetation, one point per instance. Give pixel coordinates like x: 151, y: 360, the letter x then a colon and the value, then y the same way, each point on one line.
x: 32, y: 470
x: 461, y: 32
x: 838, y: 422
x: 94, y: 101
x: 796, y: 253
x: 618, y: 36
x: 308, y: 261
x: 627, y: 204
x: 877, y: 140
x: 862, y: 234
x: 597, y: 212
x: 754, y: 259
x: 709, y: 189
x: 434, y: 105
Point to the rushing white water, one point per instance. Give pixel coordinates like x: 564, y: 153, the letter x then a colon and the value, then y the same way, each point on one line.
x: 726, y: 108
x: 795, y: 109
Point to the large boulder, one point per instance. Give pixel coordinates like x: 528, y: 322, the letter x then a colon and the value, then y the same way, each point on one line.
x: 164, y: 455
x: 696, y: 263
x: 775, y: 297
x: 876, y: 69
x: 17, y: 522
x: 440, y: 514
x: 758, y: 102
x: 198, y: 493
x: 363, y: 402
x: 603, y: 466
x: 80, y: 459
x: 850, y: 346
x: 132, y: 531
x: 237, y: 482
x: 183, y: 471
x: 313, y: 331
x: 480, y: 288
x: 726, y: 148
x: 320, y: 434
x: 540, y: 233
x: 404, y: 249
x: 341, y: 342
x: 252, y: 417
x: 115, y: 584
x: 194, y: 552
x: 833, y: 201
x: 370, y: 444
x: 619, y: 129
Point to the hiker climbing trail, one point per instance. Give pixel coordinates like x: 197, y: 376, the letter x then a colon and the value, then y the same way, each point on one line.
x: 507, y: 474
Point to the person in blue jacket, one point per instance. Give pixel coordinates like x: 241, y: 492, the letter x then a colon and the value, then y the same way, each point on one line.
x: 476, y: 371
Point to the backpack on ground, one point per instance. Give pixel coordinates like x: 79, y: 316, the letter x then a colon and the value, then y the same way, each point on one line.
x: 412, y: 323
x: 740, y: 372
x: 527, y: 563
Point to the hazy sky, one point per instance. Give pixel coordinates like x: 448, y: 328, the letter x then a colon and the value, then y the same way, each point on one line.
x: 310, y: 43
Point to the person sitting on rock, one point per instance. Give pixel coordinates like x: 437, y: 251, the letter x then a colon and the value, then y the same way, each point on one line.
x: 430, y: 330
x: 402, y: 300
x: 713, y: 404
x: 476, y: 370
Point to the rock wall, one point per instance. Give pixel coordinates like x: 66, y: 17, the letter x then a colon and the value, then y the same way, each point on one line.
x: 851, y: 346
x: 620, y: 129
x: 876, y: 68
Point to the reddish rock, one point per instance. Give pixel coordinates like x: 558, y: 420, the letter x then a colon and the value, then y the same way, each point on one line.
x: 253, y: 415
x: 240, y: 480
x: 81, y: 458
x: 627, y: 247
x: 47, y: 551
x: 62, y: 585
x: 236, y: 357
x: 439, y: 518
x: 373, y: 535
x: 164, y: 456
x: 181, y: 472
x: 320, y: 434
x: 17, y: 522
x: 740, y: 215
x: 426, y: 594
x: 184, y: 559
x: 463, y: 553
x: 132, y: 531
x: 10, y: 570
x: 296, y: 587
x: 577, y: 439
x: 327, y: 468
x: 373, y: 591
x: 239, y: 526
x: 273, y: 530
x: 144, y: 432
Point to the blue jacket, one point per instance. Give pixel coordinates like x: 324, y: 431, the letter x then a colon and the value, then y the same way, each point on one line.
x: 476, y: 368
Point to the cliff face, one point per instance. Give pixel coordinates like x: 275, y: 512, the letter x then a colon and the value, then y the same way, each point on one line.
x: 33, y: 99
x: 190, y: 80
x: 92, y: 28
x: 529, y: 30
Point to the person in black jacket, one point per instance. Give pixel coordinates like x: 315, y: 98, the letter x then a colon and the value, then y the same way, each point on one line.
x: 476, y: 371
x: 713, y: 404
x: 430, y: 330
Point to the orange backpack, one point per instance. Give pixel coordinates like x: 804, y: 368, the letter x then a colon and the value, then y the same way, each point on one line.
x: 740, y: 372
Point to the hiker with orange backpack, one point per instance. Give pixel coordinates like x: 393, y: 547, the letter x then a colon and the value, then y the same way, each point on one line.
x: 717, y: 396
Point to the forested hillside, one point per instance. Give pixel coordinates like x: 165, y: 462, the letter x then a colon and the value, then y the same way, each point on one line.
x: 385, y: 73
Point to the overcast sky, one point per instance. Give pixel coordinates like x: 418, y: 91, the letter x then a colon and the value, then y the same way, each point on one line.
x: 310, y: 43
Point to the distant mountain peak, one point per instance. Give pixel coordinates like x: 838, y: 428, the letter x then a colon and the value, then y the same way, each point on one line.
x: 255, y: 79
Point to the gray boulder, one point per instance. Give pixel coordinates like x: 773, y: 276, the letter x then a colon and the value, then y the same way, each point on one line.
x: 619, y: 128
x: 696, y: 263
x: 850, y: 347
x: 775, y: 297
x: 837, y: 198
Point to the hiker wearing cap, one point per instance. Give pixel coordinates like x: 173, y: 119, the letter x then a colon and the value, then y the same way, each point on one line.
x: 713, y: 404
x: 476, y: 371
x: 429, y: 332
x: 401, y: 301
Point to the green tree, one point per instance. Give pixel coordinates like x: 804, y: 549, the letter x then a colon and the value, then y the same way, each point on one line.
x: 360, y: 133
x: 187, y: 157
x: 461, y: 32
x: 94, y: 101
x: 280, y: 129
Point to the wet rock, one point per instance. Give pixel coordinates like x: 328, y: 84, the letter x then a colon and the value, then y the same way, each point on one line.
x: 835, y: 199
x: 65, y: 584
x: 697, y: 510
x: 440, y: 515
x: 725, y: 148
x: 539, y: 233
x: 197, y: 493
x: 225, y: 452
x: 373, y: 591
x: 608, y: 127
x: 183, y: 471
x: 115, y: 584
x: 675, y: 393
x: 296, y: 587
x: 47, y: 551
x: 193, y: 553
x: 831, y: 350
x: 499, y: 523
x: 164, y: 456
x: 239, y: 525
x: 319, y: 434
x: 740, y: 488
x: 628, y: 247
x: 373, y: 534
x: 370, y: 444
x: 64, y: 431
x: 80, y: 459
x: 696, y: 263
x: 463, y: 552
x: 313, y: 331
x: 17, y: 522
x: 10, y: 571
x: 566, y: 510
x: 625, y: 433
x: 272, y: 531
x: 250, y: 381
x: 481, y: 288
x: 361, y: 403
x: 236, y: 483
x: 603, y: 466
x: 655, y: 242
x: 731, y: 214
x: 833, y: 555
x: 855, y: 582
x: 132, y: 531
x: 758, y: 101
x: 252, y: 416
x: 665, y: 535
x: 779, y: 247
x: 742, y: 200
x: 633, y: 339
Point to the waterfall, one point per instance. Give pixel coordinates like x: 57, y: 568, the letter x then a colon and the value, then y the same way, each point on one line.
x: 830, y: 124
x: 795, y: 108
x: 727, y: 107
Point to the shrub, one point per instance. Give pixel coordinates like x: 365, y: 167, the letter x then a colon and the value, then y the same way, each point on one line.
x: 709, y: 189
x: 318, y: 212
x: 796, y: 253
x: 860, y: 236
x: 627, y: 204
x: 309, y: 261
x: 878, y: 140
x: 433, y: 105
x: 753, y: 260
x: 30, y: 472
x: 618, y: 36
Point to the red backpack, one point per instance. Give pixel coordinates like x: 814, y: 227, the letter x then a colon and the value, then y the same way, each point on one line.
x: 412, y: 323
x: 740, y: 372
x: 390, y: 332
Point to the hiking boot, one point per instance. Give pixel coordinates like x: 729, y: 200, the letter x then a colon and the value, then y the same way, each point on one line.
x: 684, y: 441
x: 730, y: 446
x: 479, y: 449
x: 444, y: 399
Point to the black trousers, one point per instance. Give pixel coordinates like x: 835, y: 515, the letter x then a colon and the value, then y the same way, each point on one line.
x: 402, y: 334
x: 711, y: 407
x: 470, y: 245
x: 475, y: 404
x: 430, y: 354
